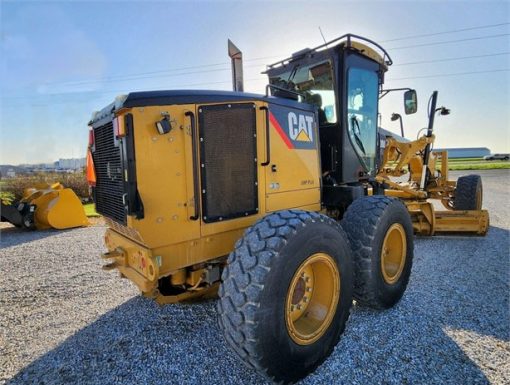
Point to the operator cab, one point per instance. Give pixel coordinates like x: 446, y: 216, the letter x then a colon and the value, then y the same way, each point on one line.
x: 342, y: 79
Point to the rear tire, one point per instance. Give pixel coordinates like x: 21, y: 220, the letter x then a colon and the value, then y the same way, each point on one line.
x: 381, y: 235
x: 267, y: 277
x: 468, y: 193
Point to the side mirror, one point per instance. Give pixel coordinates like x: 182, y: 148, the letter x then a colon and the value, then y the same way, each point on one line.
x: 410, y: 102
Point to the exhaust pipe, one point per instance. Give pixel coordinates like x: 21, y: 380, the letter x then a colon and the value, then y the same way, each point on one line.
x: 237, y: 66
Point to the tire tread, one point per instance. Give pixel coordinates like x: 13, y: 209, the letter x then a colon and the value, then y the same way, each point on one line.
x: 361, y: 222
x: 466, y: 192
x: 244, y: 276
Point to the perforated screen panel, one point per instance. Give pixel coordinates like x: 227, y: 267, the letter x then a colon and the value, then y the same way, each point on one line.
x: 108, y: 165
x: 228, y: 153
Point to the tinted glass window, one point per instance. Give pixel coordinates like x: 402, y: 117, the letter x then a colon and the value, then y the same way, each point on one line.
x: 315, y: 82
x: 362, y: 97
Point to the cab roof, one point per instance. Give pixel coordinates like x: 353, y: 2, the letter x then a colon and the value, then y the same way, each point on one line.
x: 362, y: 45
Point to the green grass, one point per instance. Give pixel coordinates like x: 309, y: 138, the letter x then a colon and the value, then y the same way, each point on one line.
x: 90, y: 210
x: 463, y: 159
x: 6, y: 197
x: 471, y: 164
x: 475, y: 164
x: 484, y: 165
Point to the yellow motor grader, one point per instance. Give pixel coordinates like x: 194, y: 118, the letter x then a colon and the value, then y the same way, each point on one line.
x: 273, y: 199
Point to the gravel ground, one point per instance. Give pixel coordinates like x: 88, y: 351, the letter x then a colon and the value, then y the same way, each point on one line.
x: 65, y: 321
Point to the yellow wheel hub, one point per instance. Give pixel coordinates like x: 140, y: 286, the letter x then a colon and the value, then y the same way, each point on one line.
x: 393, y: 253
x: 312, y: 298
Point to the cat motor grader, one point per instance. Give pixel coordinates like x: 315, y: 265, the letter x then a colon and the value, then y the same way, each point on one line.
x: 274, y: 199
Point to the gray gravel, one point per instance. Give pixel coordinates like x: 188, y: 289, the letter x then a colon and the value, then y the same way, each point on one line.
x: 64, y: 321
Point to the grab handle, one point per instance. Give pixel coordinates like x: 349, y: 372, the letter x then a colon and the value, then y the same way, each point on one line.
x: 268, y: 142
x: 196, y: 192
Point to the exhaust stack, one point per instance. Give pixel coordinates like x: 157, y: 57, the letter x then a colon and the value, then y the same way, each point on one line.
x: 237, y: 66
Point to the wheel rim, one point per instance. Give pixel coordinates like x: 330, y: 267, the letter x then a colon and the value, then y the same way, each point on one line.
x: 393, y: 253
x: 312, y: 299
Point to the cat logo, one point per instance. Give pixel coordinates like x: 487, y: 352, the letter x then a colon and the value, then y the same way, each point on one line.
x: 300, y: 127
x: 295, y: 128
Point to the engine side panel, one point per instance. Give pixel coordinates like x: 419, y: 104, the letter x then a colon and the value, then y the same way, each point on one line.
x: 166, y: 183
x: 293, y: 173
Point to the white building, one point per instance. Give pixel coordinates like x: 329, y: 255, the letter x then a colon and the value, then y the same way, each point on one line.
x: 70, y: 164
x: 467, y: 152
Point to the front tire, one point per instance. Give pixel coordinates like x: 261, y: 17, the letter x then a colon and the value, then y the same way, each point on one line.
x: 286, y: 293
x: 468, y: 193
x: 381, y: 235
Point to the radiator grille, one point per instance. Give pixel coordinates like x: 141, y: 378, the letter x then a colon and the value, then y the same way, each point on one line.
x: 228, y: 154
x: 109, y: 182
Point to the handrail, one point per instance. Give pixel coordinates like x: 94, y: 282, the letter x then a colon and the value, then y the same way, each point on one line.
x: 268, y: 143
x: 196, y: 191
x: 283, y: 89
x: 348, y: 37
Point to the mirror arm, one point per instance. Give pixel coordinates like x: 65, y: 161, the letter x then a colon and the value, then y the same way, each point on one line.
x: 385, y: 92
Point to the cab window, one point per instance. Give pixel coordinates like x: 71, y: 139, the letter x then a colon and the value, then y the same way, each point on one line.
x: 315, y: 83
x: 362, y: 92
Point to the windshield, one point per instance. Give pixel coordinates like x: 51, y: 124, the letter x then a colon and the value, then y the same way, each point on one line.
x: 315, y: 83
x: 362, y: 113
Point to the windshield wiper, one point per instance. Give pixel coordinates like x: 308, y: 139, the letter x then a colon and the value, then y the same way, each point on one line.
x: 293, y: 73
x: 355, y: 122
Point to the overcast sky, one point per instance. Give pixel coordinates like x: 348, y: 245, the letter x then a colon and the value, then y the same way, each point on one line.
x: 59, y: 61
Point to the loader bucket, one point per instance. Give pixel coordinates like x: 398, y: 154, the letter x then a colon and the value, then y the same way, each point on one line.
x: 59, y: 208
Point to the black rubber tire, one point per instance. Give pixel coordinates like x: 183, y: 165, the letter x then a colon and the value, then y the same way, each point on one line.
x: 366, y: 223
x: 254, y: 288
x: 28, y: 222
x: 468, y: 193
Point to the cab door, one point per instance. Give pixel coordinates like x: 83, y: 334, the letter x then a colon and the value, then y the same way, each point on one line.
x: 360, y: 103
